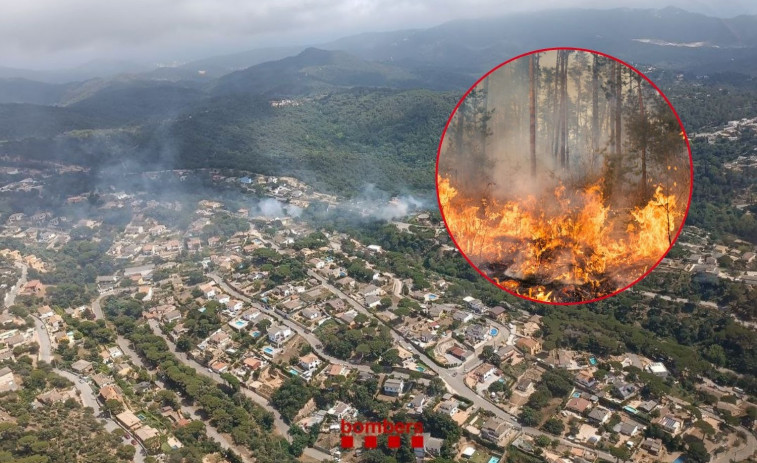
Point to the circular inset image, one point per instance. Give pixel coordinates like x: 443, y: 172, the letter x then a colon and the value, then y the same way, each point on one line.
x: 564, y: 176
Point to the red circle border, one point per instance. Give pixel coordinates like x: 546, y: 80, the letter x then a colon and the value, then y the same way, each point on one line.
x: 691, y: 175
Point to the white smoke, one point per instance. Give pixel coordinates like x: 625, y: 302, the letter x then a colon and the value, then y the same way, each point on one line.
x: 274, y: 209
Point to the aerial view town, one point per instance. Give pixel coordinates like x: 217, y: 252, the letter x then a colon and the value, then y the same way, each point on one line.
x: 218, y: 263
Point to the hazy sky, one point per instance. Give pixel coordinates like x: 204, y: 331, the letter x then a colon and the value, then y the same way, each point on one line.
x: 45, y: 34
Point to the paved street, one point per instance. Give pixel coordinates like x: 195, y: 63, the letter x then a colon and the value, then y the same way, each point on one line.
x: 10, y: 296
x: 454, y: 380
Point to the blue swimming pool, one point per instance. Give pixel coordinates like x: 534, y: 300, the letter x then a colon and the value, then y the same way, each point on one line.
x: 432, y: 297
x: 294, y: 372
x: 240, y: 323
x: 269, y: 350
x: 592, y: 360
x: 493, y: 460
x: 494, y: 331
x: 576, y: 394
x: 255, y: 334
x: 680, y: 459
x: 420, y: 368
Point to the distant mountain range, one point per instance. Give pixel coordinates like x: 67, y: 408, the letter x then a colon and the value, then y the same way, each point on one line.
x: 669, y: 37
x: 344, y: 94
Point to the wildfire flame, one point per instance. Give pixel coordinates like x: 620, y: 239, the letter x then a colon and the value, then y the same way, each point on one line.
x: 562, y: 248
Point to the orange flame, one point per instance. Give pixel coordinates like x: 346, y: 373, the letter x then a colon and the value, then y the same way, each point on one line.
x: 576, y: 242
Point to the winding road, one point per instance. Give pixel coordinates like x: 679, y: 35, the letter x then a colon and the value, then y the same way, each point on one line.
x: 455, y: 382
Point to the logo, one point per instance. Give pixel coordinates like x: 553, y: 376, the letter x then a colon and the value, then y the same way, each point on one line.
x: 370, y: 430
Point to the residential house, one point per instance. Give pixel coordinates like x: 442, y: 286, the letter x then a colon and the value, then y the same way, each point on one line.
x: 145, y: 433
x: 110, y: 392
x: 208, y: 290
x: 371, y: 290
x: 102, y: 380
x: 342, y: 410
x: 477, y: 333
x: 234, y: 305
x: 219, y: 367
x: 55, y: 396
x: 45, y: 312
x: 671, y: 424
x: 449, y: 407
x: 657, y: 369
x: 338, y: 370
x: 462, y: 316
x: 279, y: 334
x: 418, y: 403
x: 172, y: 316
x: 219, y: 339
x: 310, y: 361
x: 393, y: 386
x: 529, y: 345
x: 624, y: 390
x: 33, y: 288
x: 585, y: 379
x: 524, y: 384
x: 494, y: 429
x: 460, y: 353
x: 252, y: 363
x: 82, y: 367
x: 627, y: 428
x: 484, y: 371
x: 530, y: 328
x: 506, y: 353
x: 310, y: 313
x: 476, y: 305
x: 431, y: 445
x: 336, y: 304
x: 129, y: 420
x: 578, y: 404
x: 600, y: 415
x: 653, y: 446
x: 498, y: 313
x: 7, y: 382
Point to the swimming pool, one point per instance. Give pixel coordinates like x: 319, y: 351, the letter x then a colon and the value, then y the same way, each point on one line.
x: 494, y: 331
x: 493, y: 460
x: 630, y: 409
x: 141, y: 416
x: 420, y: 368
x: 680, y: 459
x: 432, y: 297
x: 592, y: 360
x: 294, y: 372
x: 255, y: 334
x: 576, y: 394
x: 269, y: 350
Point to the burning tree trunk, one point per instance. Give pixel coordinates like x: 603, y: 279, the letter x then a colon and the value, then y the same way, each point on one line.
x: 532, y: 111
x: 556, y: 112
x: 618, y: 127
x: 563, y: 117
x: 644, y: 192
x: 594, y: 109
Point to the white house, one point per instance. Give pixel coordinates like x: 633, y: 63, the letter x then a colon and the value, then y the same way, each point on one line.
x: 393, y: 386
x: 279, y: 334
x: 309, y: 362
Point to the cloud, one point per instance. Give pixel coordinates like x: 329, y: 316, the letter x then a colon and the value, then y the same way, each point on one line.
x: 50, y: 33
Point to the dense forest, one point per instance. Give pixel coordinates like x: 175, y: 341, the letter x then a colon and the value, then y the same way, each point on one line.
x: 564, y: 175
